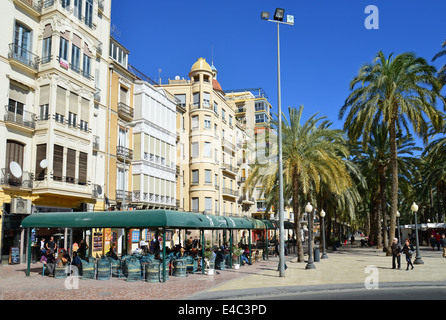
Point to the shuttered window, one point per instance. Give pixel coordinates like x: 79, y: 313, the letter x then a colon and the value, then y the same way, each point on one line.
x: 83, y: 168
x: 40, y: 155
x: 58, y: 163
x: 71, y: 166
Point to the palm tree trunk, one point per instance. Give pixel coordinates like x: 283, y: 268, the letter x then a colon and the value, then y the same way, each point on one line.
x: 297, y: 217
x: 394, y: 174
x: 382, y: 197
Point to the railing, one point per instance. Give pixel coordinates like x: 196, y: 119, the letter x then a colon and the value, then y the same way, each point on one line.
x: 230, y: 191
x: 229, y: 167
x: 122, y: 152
x: 20, y: 116
x: 120, y: 194
x: 228, y: 144
x: 24, y: 56
x: 125, y: 110
x: 25, y: 181
x: 33, y: 4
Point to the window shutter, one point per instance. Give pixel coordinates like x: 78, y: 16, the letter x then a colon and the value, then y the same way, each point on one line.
x: 40, y: 155
x: 71, y: 166
x: 83, y: 168
x: 57, y: 162
x: 61, y: 102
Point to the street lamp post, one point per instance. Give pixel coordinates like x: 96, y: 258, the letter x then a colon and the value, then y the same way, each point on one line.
x: 399, y: 231
x: 322, y: 215
x: 418, y: 260
x: 309, y: 211
x: 278, y: 18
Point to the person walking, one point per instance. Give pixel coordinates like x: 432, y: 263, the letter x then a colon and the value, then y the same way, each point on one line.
x: 408, y: 251
x: 396, y: 254
x: 443, y: 244
x: 433, y: 242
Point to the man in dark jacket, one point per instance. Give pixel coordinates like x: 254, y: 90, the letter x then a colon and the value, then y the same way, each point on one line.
x: 396, y: 254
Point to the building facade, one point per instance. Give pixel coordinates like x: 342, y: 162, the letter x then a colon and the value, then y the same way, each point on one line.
x: 51, y: 64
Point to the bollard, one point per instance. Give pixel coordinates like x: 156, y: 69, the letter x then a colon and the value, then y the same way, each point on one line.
x: 316, y: 255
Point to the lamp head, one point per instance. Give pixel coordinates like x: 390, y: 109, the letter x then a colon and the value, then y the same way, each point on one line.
x: 414, y: 207
x: 398, y: 214
x: 308, y: 208
x: 279, y: 14
x: 264, y: 15
x: 322, y: 213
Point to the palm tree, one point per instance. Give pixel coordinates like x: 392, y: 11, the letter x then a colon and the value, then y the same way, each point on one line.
x: 312, y: 155
x: 396, y: 91
x: 442, y: 71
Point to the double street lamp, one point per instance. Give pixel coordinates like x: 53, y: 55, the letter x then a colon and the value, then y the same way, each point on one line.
x: 278, y: 18
x: 309, y: 211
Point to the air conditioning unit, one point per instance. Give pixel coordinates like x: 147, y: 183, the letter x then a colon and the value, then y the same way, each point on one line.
x: 20, y: 206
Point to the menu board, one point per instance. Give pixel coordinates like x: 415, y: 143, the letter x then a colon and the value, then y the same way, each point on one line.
x: 14, y: 255
x: 107, y: 239
x: 135, y: 236
x: 97, y: 241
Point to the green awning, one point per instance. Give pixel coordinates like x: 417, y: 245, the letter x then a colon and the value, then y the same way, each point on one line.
x: 270, y: 224
x: 257, y: 224
x: 133, y: 219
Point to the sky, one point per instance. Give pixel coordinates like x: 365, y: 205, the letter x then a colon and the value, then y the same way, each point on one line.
x: 320, y: 54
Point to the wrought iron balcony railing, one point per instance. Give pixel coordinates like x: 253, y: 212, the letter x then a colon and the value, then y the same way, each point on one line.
x: 24, y: 56
x: 20, y: 116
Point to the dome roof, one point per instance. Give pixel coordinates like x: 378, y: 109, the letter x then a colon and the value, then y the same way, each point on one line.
x: 201, y: 65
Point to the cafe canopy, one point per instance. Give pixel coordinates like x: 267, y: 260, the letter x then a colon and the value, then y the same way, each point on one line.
x: 139, y: 219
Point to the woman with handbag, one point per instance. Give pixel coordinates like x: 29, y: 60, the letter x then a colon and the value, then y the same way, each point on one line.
x: 408, y: 251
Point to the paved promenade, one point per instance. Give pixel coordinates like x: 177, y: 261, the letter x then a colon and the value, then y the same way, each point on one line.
x: 349, y: 267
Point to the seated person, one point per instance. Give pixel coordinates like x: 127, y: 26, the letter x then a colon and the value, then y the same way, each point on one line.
x: 112, y: 253
x: 49, y: 261
x: 63, y: 258
x: 77, y: 262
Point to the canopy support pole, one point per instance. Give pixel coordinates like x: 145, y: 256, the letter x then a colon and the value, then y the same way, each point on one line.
x: 164, y: 255
x: 230, y: 249
x: 28, y: 260
x: 202, y: 251
x: 250, y: 253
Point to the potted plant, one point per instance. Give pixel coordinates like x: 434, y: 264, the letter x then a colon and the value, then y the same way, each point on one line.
x: 209, y: 263
x: 237, y: 253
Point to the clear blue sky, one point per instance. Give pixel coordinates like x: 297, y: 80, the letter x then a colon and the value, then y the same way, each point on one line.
x: 320, y: 54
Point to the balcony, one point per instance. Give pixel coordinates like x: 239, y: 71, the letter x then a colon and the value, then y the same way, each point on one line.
x: 230, y: 192
x: 229, y: 168
x: 120, y: 194
x: 125, y: 111
x: 124, y: 153
x: 228, y: 144
x: 21, y: 57
x: 8, y: 180
x: 21, y: 118
x: 32, y: 6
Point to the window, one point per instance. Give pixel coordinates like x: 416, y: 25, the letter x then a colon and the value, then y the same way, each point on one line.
x: 195, y: 151
x: 260, y: 118
x: 87, y: 63
x: 216, y: 108
x: 207, y: 152
x: 230, y: 121
x: 40, y: 155
x: 207, y: 122
x: 208, y: 205
x: 59, y: 118
x: 223, y: 114
x: 260, y: 106
x: 75, y: 58
x: 194, y: 121
x: 65, y: 3
x: 46, y: 50
x: 63, y: 50
x: 72, y: 119
x: 57, y: 163
x: 195, y: 205
x: 182, y: 100
x: 43, y: 112
x: 207, y: 176
x: 14, y: 152
x: 83, y: 125
x: 22, y: 43
x: 196, y: 97
x: 89, y: 13
x: 206, y: 100
x: 78, y: 8
x: 195, y: 177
